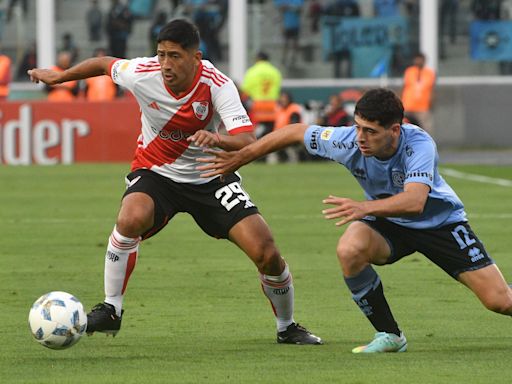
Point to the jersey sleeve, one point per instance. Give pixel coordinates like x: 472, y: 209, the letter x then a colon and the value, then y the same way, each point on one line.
x: 327, y: 141
x: 420, y: 162
x: 228, y: 105
x: 122, y: 72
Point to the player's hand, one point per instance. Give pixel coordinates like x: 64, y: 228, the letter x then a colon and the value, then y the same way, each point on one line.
x: 204, y: 138
x: 47, y: 76
x: 221, y: 163
x: 347, y: 209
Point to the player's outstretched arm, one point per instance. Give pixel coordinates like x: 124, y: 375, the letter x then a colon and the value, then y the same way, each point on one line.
x: 222, y: 162
x: 94, y: 66
x: 410, y: 202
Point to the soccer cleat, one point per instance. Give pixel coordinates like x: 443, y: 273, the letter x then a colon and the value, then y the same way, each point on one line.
x: 103, y: 318
x: 297, y: 334
x: 384, y: 342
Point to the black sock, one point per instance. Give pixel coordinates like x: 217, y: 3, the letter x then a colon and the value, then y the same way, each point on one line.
x: 368, y: 294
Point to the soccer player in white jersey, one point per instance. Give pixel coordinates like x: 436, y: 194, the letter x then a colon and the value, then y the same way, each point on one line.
x: 409, y: 207
x: 184, y: 100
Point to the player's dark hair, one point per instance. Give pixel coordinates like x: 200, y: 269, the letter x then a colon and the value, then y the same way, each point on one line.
x: 380, y: 105
x: 262, y: 56
x: 180, y: 31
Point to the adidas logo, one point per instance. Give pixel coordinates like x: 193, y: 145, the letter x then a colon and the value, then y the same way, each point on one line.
x: 154, y: 105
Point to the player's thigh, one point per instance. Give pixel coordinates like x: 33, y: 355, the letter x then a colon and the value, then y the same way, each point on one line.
x: 490, y: 287
x: 362, y: 244
x: 253, y: 236
x: 149, y: 199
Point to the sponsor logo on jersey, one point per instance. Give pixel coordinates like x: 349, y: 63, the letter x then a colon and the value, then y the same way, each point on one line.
x: 398, y: 178
x: 174, y: 135
x: 200, y: 109
x: 241, y: 119
x: 124, y: 66
x: 420, y: 174
x: 119, y: 66
x: 344, y: 145
x: 326, y: 134
x: 313, y: 143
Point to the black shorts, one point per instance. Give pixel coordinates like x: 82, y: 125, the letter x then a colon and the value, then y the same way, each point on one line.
x: 454, y: 247
x: 215, y: 206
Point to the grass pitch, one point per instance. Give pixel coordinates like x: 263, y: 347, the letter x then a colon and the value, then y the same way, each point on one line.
x: 194, y: 310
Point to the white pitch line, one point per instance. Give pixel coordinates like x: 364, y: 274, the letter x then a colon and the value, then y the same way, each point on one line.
x: 49, y: 220
x: 477, y: 178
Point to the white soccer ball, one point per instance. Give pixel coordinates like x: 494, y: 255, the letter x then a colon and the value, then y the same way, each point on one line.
x: 57, y: 320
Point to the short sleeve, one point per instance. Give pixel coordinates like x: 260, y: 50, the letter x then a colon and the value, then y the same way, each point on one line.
x: 228, y: 105
x: 420, y: 162
x: 333, y: 143
x: 123, y: 71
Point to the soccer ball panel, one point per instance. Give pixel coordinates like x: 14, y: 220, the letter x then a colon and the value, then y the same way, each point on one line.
x: 57, y: 320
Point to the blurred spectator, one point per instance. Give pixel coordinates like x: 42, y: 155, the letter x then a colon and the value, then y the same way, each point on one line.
x: 486, y: 9
x: 28, y: 61
x: 141, y: 9
x: 343, y: 8
x: 386, y: 8
x: 12, y: 4
x: 66, y: 91
x: 447, y: 24
x: 290, y: 13
x: 287, y: 112
x: 154, y: 30
x: 100, y: 88
x: 418, y: 92
x: 334, y: 113
x: 262, y: 83
x: 448, y: 18
x: 505, y: 67
x: 69, y: 45
x: 119, y: 27
x: 343, y: 58
x: 5, y: 76
x: 94, y: 18
x: 210, y: 17
x: 315, y: 13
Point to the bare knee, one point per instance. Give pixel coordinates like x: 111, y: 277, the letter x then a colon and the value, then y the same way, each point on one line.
x: 133, y: 226
x: 136, y: 215
x: 351, y: 257
x: 500, y: 304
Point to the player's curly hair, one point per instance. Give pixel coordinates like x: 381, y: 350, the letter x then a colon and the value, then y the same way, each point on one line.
x: 180, y: 31
x: 380, y: 105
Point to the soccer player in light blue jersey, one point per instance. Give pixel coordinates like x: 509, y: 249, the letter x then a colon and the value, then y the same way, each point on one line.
x: 409, y: 208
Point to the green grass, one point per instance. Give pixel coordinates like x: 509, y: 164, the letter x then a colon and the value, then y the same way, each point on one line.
x: 194, y: 310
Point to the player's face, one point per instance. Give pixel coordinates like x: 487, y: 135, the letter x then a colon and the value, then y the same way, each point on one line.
x: 178, y: 65
x: 375, y: 140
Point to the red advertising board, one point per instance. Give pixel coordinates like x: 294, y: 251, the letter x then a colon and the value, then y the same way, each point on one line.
x: 46, y: 133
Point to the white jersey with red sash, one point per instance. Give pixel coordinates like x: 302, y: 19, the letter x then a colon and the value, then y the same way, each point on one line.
x: 167, y: 120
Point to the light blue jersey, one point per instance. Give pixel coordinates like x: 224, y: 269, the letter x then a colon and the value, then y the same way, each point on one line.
x: 415, y: 161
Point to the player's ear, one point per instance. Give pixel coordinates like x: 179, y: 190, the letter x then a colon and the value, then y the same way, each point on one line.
x: 395, y: 128
x: 198, y: 55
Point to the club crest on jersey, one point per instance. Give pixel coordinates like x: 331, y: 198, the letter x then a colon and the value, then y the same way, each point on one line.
x: 200, y: 109
x: 398, y: 178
